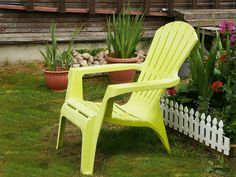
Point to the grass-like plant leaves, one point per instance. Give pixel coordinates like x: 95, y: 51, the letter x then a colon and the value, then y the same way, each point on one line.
x: 124, y: 33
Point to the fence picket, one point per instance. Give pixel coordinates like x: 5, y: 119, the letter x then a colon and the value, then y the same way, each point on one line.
x: 181, y: 118
x: 220, y: 137
x: 208, y: 131
x: 214, y: 132
x: 186, y: 121
x: 171, y: 123
x: 201, y: 128
x: 191, y: 122
x: 176, y: 116
x: 196, y: 126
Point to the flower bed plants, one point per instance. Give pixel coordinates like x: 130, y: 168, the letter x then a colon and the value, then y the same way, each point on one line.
x: 212, y: 86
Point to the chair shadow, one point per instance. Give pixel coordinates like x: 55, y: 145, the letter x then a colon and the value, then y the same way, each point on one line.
x: 128, y: 140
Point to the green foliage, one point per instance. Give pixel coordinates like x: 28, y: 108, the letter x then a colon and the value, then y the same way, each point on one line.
x: 92, y: 52
x: 51, y: 50
x: 66, y: 57
x: 53, y: 58
x: 202, y: 65
x: 124, y: 32
x: 228, y: 76
x: 217, y: 167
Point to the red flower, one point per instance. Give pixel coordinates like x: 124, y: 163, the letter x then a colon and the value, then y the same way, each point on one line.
x: 223, y: 58
x: 171, y: 91
x: 216, y: 86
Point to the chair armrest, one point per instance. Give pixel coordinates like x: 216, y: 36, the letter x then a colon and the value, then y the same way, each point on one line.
x: 75, y: 83
x: 119, y: 89
x: 106, y: 68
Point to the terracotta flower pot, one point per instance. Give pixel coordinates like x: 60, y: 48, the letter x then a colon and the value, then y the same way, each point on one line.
x: 126, y: 76
x: 56, y: 80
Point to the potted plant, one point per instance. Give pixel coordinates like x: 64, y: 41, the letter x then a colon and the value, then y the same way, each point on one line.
x: 57, y: 63
x: 123, y: 35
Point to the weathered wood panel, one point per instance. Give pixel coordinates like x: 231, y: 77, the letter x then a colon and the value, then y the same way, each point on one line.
x: 206, y: 18
x: 113, y: 6
x: 19, y: 26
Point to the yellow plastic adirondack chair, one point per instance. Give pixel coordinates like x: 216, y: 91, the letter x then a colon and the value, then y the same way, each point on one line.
x: 171, y: 45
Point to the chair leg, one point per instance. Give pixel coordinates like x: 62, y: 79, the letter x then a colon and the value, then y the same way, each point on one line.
x: 159, y: 128
x: 61, y: 131
x: 89, y: 144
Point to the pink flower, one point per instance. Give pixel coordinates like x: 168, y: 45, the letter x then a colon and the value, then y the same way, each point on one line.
x: 223, y: 26
x: 231, y: 27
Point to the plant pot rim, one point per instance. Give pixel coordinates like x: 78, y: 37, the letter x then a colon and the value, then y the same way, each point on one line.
x: 45, y: 70
x: 111, y: 58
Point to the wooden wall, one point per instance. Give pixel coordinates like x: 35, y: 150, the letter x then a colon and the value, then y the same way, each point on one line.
x: 31, y: 22
x: 21, y: 26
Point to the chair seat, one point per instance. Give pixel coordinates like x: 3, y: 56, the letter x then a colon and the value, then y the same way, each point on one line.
x: 90, y: 109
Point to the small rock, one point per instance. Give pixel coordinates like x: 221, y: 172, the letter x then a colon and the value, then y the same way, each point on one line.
x: 100, y: 55
x: 141, y: 56
x: 78, y: 58
x: 106, y: 52
x: 96, y: 63
x: 90, y: 64
x: 76, y: 65
x: 95, y: 58
x: 86, y: 56
x: 75, y: 61
x: 140, y: 51
x: 84, y: 63
x: 75, y: 53
x: 103, y: 62
x: 100, y: 58
x: 91, y: 60
x: 79, y: 55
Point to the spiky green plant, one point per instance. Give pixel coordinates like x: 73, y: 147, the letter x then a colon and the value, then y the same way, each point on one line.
x: 51, y: 50
x: 204, y: 73
x: 66, y: 57
x: 53, y: 57
x: 124, y: 32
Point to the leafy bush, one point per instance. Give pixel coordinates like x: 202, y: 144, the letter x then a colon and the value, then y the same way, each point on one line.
x: 92, y: 52
x: 227, y: 67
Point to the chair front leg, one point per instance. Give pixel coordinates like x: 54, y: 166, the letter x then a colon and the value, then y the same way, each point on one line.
x: 89, y: 145
x: 61, y: 131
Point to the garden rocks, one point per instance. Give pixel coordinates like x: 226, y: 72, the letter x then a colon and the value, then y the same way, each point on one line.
x: 141, y: 55
x: 86, y: 59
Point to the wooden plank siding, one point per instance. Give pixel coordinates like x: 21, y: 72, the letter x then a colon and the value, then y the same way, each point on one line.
x: 29, y: 20
x: 112, y: 6
x: 28, y: 27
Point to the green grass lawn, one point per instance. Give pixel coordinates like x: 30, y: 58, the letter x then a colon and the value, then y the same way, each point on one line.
x: 29, y: 115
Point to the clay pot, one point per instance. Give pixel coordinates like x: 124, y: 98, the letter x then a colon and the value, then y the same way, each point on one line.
x: 126, y: 76
x: 56, y: 80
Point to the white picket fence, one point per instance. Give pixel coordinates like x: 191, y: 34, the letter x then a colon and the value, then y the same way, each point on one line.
x: 202, y: 128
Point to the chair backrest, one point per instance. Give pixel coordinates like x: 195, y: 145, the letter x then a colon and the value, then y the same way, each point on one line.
x: 170, y: 47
